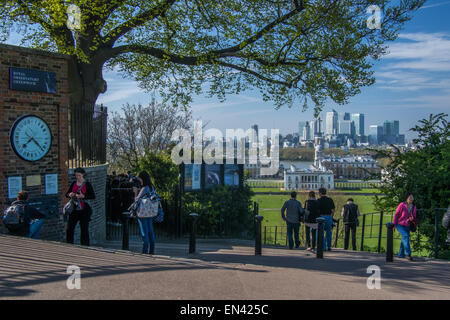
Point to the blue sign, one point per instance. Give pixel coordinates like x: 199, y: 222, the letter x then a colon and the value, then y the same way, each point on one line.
x: 32, y: 80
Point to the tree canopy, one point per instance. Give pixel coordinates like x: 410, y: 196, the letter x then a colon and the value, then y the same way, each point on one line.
x: 293, y: 51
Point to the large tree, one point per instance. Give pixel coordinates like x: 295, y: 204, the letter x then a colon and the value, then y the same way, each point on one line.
x: 290, y: 49
x: 140, y: 130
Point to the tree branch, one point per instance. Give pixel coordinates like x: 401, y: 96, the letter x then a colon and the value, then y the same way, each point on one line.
x: 137, y: 21
x: 259, y: 34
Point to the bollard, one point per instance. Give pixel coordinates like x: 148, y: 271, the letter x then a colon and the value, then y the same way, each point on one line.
x: 319, y: 252
x: 125, y: 233
x: 390, y: 242
x: 192, y: 240
x: 258, y: 245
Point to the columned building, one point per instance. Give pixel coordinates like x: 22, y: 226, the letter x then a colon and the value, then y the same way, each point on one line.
x: 308, y: 179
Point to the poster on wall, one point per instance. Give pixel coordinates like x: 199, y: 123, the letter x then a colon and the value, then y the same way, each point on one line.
x: 192, y: 177
x: 212, y: 175
x: 51, y: 183
x: 231, y: 175
x: 188, y: 177
x: 14, y: 186
x: 196, y: 177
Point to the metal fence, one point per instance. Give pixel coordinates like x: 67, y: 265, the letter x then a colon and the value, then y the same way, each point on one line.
x: 114, y: 231
x: 265, y: 184
x: 87, y: 136
x: 370, y: 234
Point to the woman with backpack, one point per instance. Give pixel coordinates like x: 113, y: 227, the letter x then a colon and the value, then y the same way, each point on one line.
x: 79, y: 191
x: 311, y: 214
x: 405, y: 219
x: 145, y: 223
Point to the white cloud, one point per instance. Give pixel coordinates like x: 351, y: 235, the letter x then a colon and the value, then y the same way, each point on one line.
x: 119, y: 91
x: 435, y: 5
x: 424, y: 51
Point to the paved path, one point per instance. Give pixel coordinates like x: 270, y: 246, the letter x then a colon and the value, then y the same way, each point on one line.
x: 36, y: 269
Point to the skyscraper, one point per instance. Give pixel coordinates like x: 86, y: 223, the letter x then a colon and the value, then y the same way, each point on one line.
x: 343, y: 116
x: 375, y: 134
x: 346, y: 127
x: 358, y: 120
x: 396, y: 127
x: 301, y: 126
x: 331, y: 122
x: 307, y: 131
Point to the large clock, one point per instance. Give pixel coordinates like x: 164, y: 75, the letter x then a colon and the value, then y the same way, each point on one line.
x: 30, y: 138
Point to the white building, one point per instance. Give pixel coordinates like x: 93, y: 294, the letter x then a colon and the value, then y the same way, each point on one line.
x: 308, y: 179
x: 312, y: 178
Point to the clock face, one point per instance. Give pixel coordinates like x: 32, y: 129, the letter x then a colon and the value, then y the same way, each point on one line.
x: 30, y: 138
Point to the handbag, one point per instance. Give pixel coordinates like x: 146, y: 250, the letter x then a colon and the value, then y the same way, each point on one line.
x: 147, y: 208
x: 69, y: 207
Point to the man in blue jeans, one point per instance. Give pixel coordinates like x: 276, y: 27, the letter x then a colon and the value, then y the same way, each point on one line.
x: 326, y: 210
x: 294, y: 212
x: 32, y: 219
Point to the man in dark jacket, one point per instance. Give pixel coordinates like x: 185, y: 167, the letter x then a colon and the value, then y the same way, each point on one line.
x: 350, y: 214
x: 326, y: 208
x: 294, y: 212
x: 32, y: 219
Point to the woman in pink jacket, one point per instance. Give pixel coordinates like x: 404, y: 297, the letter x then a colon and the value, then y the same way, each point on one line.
x: 405, y: 215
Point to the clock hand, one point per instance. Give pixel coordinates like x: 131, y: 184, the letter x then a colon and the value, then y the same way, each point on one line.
x: 25, y: 144
x: 37, y: 144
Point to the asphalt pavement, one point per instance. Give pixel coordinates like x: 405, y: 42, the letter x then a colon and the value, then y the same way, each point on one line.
x: 220, y: 269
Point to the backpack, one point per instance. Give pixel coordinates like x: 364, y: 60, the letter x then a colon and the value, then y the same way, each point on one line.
x: 13, y: 216
x: 350, y: 213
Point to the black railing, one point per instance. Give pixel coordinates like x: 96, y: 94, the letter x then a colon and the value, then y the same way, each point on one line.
x: 371, y: 233
x: 87, y: 136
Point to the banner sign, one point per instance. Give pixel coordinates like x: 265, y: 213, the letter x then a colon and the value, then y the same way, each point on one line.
x: 32, y: 80
x: 199, y: 177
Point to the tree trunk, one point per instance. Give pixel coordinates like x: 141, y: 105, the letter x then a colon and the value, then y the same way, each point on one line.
x: 86, y: 83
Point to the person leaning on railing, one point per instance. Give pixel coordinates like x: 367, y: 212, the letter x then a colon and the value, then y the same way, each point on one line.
x: 405, y: 217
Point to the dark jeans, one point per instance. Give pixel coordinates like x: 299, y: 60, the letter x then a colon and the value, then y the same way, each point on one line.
x: 148, y: 235
x: 350, y: 227
x: 74, y: 217
x: 295, y: 227
x: 308, y: 232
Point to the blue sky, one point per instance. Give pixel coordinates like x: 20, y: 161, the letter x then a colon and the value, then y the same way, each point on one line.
x: 413, y: 80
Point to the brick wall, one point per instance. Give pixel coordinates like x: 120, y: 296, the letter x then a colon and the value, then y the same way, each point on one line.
x: 53, y: 109
x: 97, y: 226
